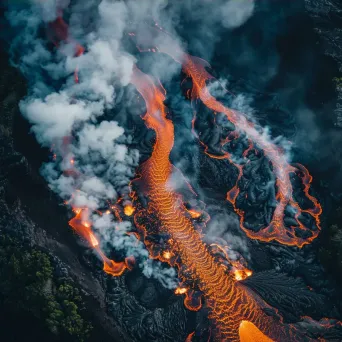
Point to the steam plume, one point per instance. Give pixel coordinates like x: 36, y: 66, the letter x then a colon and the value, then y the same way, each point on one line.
x: 67, y: 116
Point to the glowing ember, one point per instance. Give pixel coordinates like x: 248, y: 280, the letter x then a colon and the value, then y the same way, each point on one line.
x: 167, y: 255
x: 180, y: 290
x: 129, y: 210
x: 194, y: 214
x: 242, y: 274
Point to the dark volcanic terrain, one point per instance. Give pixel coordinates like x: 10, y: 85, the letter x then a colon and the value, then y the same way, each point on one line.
x: 306, y: 93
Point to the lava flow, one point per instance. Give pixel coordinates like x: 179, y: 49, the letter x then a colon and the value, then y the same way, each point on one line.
x: 195, y: 68
x: 238, y: 314
x: 83, y: 228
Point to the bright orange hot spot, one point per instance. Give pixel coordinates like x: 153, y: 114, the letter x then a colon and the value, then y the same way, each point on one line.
x: 180, y: 290
x: 242, y: 274
x: 129, y: 210
x: 194, y: 214
x: 93, y: 240
x: 167, y: 255
x: 250, y: 333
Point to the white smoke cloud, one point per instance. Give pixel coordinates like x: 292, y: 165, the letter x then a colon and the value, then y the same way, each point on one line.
x: 100, y: 138
x: 235, y: 13
x: 54, y: 117
x: 49, y: 8
x: 101, y: 157
x: 222, y: 230
x: 97, y: 186
x: 122, y: 241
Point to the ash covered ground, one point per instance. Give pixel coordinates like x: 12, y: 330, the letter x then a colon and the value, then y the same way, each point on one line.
x: 279, y: 64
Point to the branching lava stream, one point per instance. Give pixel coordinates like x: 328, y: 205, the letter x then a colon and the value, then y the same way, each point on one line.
x: 230, y: 304
x: 237, y: 313
x: 195, y: 68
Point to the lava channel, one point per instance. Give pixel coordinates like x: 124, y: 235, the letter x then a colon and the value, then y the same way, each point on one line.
x: 236, y: 312
x: 195, y: 68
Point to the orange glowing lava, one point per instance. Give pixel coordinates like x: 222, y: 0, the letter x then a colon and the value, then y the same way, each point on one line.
x: 242, y: 274
x: 82, y: 227
x: 236, y: 312
x: 228, y: 301
x: 250, y: 333
x: 129, y: 210
x: 181, y: 290
x: 194, y: 214
x: 195, y: 68
x: 190, y: 336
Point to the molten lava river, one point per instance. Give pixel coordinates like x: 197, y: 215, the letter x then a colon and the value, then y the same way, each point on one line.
x: 235, y: 311
x: 237, y: 314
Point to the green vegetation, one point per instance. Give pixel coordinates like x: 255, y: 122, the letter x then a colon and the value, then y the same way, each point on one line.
x: 27, y: 283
